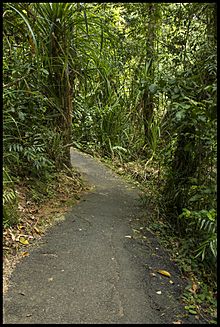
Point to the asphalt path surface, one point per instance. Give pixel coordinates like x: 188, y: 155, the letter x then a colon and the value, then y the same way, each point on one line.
x: 91, y: 268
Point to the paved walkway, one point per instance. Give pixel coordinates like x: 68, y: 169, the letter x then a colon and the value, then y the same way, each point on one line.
x: 87, y: 271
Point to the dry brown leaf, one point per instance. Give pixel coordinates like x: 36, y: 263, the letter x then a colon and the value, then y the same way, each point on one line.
x: 13, y: 237
x: 25, y: 254
x: 37, y: 230
x: 177, y: 322
x: 153, y: 274
x: 34, y: 210
x: 194, y: 288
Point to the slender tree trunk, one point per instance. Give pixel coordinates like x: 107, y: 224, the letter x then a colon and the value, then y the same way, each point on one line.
x: 148, y: 107
x: 67, y: 123
x: 148, y: 98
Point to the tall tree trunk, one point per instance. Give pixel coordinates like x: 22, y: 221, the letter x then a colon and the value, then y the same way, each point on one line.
x: 67, y: 122
x: 148, y: 107
x: 148, y: 98
x: 63, y: 86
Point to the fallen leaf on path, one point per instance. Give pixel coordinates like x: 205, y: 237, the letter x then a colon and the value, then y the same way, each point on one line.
x: 135, y: 230
x: 20, y: 227
x: 164, y: 272
x: 153, y: 274
x: 23, y: 241
x: 17, y: 238
x: 13, y: 237
x: 37, y: 230
x: 25, y: 254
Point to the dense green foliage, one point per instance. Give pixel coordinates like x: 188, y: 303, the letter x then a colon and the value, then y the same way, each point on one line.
x: 132, y: 81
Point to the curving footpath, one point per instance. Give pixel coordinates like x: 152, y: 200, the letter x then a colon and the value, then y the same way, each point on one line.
x: 87, y: 269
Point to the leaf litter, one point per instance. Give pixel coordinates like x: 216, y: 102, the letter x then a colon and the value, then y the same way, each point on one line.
x: 35, y: 219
